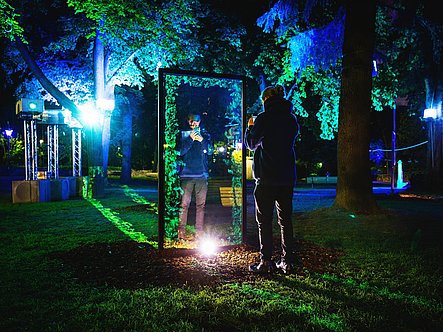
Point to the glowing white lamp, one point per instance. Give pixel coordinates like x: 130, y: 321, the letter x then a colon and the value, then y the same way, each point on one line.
x: 208, y: 246
x: 89, y: 114
x: 430, y: 113
x: 9, y: 132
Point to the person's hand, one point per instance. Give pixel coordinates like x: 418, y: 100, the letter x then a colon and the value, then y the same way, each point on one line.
x: 196, y: 136
x: 251, y: 121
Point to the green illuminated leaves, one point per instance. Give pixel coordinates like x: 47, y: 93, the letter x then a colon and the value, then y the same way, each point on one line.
x: 308, y: 59
x: 9, y: 26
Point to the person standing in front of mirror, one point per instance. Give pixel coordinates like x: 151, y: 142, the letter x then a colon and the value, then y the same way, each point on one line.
x: 272, y: 137
x: 195, y: 146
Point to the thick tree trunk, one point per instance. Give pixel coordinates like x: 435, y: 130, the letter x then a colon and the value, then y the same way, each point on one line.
x: 109, y: 95
x: 95, y: 150
x: 435, y: 156
x: 354, y: 186
x: 437, y: 171
x: 433, y: 61
x: 106, y: 136
x: 104, y: 92
x: 125, y: 176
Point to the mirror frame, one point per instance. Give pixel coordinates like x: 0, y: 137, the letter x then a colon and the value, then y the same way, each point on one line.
x: 162, y: 76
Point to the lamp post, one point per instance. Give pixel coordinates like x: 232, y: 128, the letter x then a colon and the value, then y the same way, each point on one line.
x: 7, y: 133
x: 394, y: 143
x: 8, y: 136
x: 429, y: 115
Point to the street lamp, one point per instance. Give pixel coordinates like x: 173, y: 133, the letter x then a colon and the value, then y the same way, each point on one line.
x: 429, y: 115
x: 8, y: 135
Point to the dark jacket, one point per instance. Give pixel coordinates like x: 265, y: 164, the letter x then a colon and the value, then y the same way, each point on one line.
x: 194, y: 155
x: 272, y: 139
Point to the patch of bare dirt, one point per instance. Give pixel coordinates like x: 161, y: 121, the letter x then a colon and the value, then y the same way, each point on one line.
x: 132, y: 265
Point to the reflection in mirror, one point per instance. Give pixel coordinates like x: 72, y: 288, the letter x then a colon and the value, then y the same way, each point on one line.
x: 203, y: 160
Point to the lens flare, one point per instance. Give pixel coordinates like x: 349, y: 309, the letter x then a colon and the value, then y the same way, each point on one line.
x: 208, y: 246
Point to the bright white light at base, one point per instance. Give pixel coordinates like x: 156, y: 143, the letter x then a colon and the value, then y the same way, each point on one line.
x: 208, y: 246
x: 221, y: 149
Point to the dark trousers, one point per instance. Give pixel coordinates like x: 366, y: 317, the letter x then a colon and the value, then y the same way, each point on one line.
x: 200, y: 186
x: 266, y: 198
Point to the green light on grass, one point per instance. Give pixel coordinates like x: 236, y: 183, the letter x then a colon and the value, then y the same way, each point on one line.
x: 122, y: 225
x: 138, y: 198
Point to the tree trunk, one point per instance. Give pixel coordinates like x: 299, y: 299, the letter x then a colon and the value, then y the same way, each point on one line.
x: 433, y: 61
x: 106, y: 136
x: 104, y: 92
x: 437, y: 171
x: 354, y: 185
x: 125, y: 176
x: 95, y: 150
x: 99, y: 85
x: 435, y: 156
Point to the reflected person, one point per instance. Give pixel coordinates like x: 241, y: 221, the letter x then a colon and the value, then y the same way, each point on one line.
x: 195, y: 146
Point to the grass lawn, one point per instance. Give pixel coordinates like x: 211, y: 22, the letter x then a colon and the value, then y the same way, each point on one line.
x: 378, y: 273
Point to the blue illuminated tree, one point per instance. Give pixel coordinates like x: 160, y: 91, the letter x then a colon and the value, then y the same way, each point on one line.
x: 430, y: 28
x: 308, y: 59
x: 343, y: 82
x: 123, y: 42
x: 310, y: 63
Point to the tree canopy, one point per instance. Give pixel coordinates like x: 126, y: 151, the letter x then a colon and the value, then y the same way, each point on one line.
x: 308, y: 60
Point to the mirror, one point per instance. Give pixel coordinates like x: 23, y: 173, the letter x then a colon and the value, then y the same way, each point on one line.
x: 204, y: 164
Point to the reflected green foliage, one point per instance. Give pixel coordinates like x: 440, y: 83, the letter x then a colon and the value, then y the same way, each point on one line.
x: 173, y: 190
x: 235, y: 168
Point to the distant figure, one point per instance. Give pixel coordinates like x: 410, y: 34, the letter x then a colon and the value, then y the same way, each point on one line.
x: 195, y: 145
x: 272, y: 137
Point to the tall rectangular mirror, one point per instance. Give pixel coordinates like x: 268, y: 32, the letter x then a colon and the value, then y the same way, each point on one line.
x: 201, y: 157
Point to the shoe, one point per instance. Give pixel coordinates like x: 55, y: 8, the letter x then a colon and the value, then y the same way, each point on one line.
x: 264, y: 267
x: 285, y: 267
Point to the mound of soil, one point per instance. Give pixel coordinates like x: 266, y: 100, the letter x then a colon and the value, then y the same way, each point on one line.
x: 133, y: 265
